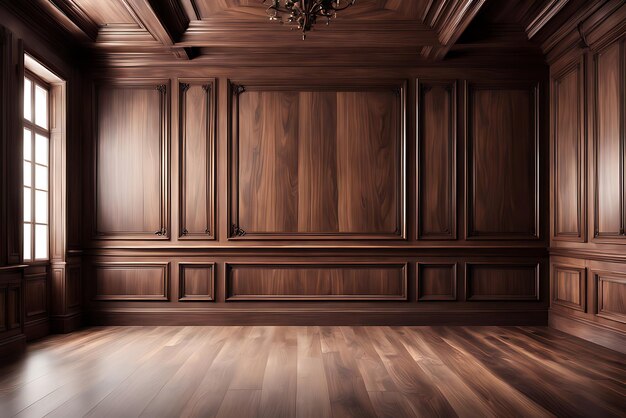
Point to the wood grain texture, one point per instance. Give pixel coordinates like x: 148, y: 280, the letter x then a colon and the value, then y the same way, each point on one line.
x: 569, y: 286
x: 131, y: 160
x: 436, y: 192
x: 314, y: 372
x: 288, y: 281
x: 611, y: 295
x: 610, y: 89
x: 568, y: 98
x: 502, y: 162
x: 196, y: 281
x: 436, y: 281
x: 131, y: 281
x: 317, y: 164
x: 197, y: 158
x: 505, y: 281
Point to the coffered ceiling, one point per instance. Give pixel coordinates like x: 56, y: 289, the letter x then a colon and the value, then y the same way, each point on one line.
x: 382, y: 30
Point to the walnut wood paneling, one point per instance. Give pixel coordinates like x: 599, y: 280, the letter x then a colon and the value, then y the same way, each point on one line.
x: 35, y: 295
x: 569, y: 287
x: 568, y: 153
x: 132, y: 159
x: 302, y: 281
x: 609, y: 139
x: 502, y: 281
x: 502, y: 162
x: 436, y: 281
x: 436, y: 163
x: 13, y: 307
x: 131, y: 281
x: 73, y: 287
x: 308, y: 163
x: 197, y: 158
x: 611, y: 295
x: 196, y: 281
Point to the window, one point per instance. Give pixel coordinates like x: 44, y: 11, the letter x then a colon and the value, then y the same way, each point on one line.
x: 36, y: 168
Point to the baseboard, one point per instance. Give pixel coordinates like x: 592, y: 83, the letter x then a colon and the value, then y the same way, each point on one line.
x: 587, y: 330
x: 62, y: 324
x: 151, y: 317
x: 12, y: 347
x: 37, y: 329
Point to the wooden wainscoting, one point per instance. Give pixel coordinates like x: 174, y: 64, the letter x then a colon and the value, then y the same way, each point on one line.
x: 502, y: 281
x: 301, y: 281
x: 131, y: 281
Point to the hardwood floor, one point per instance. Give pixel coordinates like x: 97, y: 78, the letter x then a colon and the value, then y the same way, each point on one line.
x: 314, y: 372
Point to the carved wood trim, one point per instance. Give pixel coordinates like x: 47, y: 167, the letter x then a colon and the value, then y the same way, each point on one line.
x: 162, y: 86
x: 208, y: 85
x: 236, y: 89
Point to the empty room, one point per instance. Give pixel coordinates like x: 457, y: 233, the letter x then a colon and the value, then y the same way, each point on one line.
x: 312, y: 208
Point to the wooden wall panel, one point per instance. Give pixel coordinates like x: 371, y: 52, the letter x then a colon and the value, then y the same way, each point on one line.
x: 317, y: 164
x: 369, y: 162
x: 502, y: 162
x: 73, y: 287
x: 436, y: 281
x: 132, y: 160
x: 502, y: 281
x: 35, y: 295
x: 197, y: 158
x: 196, y: 281
x: 267, y: 194
x: 610, y: 144
x: 3, y: 308
x: 436, y: 163
x: 301, y: 281
x: 568, y: 152
x: 131, y: 281
x: 569, y: 286
x: 14, y: 307
x: 611, y: 295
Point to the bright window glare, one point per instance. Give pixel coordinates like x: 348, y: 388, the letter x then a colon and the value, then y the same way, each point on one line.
x: 27, y: 100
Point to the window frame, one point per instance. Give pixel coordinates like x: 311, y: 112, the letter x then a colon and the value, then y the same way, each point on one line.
x: 35, y: 129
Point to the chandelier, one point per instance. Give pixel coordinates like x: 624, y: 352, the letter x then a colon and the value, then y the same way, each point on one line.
x: 304, y: 13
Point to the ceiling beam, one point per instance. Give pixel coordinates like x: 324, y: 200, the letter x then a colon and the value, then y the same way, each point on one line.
x: 165, y: 20
x: 449, y: 19
x: 78, y: 16
x: 545, y: 14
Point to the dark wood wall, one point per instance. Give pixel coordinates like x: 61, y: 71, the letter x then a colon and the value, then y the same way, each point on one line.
x: 360, y: 195
x: 43, y: 297
x: 588, y: 152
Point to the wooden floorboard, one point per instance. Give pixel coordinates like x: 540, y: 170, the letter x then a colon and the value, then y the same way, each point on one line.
x: 314, y: 372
